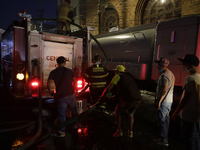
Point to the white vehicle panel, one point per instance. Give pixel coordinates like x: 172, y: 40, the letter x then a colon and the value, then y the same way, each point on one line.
x: 51, y: 52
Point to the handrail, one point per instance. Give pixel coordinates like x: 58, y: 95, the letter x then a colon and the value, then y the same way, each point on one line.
x: 158, y: 52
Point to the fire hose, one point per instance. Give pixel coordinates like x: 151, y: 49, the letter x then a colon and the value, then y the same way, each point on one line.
x: 36, y: 63
x: 37, y: 137
x: 95, y: 41
x: 66, y: 123
x: 16, y: 128
x: 39, y: 131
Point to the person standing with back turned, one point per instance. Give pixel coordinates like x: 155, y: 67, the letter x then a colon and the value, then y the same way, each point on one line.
x: 189, y: 106
x: 164, y: 99
x: 96, y: 76
x: 65, y: 82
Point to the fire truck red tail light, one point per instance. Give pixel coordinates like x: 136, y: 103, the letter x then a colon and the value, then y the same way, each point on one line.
x: 34, y: 84
x: 35, y: 88
x: 79, y: 84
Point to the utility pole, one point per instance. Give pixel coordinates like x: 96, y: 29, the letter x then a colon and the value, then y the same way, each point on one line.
x: 99, y: 15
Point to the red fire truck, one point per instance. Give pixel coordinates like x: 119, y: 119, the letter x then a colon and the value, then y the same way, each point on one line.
x: 27, y: 57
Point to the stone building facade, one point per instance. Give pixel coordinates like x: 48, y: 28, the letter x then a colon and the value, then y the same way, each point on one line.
x: 105, y: 15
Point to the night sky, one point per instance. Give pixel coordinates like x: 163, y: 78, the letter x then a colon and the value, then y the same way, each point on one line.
x: 10, y: 8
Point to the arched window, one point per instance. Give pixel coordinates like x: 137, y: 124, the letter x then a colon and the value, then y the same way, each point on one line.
x: 110, y: 19
x: 160, y: 10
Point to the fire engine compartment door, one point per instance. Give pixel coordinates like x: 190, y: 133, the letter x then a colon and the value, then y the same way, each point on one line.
x: 52, y: 51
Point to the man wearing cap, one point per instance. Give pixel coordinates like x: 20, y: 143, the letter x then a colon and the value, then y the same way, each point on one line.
x: 129, y: 95
x: 64, y: 79
x: 164, y: 99
x: 189, y: 106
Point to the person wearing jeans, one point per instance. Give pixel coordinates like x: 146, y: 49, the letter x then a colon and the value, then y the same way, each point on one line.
x: 63, y: 103
x: 65, y: 82
x: 164, y: 119
x: 164, y: 99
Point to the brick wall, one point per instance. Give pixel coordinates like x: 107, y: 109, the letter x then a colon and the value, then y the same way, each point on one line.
x: 129, y: 11
x: 125, y: 9
x: 190, y: 7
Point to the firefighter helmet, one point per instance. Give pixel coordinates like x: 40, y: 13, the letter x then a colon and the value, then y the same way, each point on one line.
x: 97, y: 58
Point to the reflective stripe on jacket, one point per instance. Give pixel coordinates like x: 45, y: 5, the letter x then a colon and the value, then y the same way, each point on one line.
x: 96, y: 76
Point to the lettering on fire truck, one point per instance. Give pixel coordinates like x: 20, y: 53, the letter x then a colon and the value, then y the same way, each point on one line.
x: 53, y: 58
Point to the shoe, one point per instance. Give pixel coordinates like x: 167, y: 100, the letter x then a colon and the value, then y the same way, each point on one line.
x: 59, y: 134
x: 118, y: 133
x: 130, y: 134
x: 161, y: 142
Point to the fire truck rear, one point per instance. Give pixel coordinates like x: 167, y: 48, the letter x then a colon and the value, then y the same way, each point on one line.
x: 27, y: 57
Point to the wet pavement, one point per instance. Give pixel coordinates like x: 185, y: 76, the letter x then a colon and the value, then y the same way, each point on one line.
x: 94, y: 133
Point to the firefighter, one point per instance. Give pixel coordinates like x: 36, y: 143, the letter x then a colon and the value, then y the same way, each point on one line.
x: 129, y: 95
x: 65, y: 13
x: 96, y: 76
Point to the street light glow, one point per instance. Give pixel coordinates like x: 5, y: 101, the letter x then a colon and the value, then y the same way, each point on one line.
x: 162, y: 1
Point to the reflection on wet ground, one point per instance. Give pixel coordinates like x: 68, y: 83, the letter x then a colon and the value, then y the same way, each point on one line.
x: 94, y: 133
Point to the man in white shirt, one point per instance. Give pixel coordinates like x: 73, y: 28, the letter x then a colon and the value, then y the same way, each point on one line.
x: 164, y: 99
x: 189, y: 106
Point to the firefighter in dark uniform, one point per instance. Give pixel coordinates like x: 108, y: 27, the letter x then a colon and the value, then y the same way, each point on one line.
x: 96, y: 75
x: 65, y: 13
x: 129, y: 95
